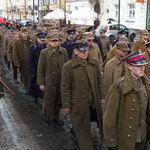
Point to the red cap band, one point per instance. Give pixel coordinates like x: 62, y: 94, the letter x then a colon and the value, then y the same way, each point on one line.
x: 134, y: 58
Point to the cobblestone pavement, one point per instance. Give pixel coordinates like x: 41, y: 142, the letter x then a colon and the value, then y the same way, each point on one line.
x: 22, y: 125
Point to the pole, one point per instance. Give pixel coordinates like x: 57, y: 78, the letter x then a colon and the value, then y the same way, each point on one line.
x: 65, y: 12
x: 119, y: 15
x: 38, y: 12
x: 33, y: 10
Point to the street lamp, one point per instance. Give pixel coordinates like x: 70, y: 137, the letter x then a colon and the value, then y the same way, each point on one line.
x: 118, y: 15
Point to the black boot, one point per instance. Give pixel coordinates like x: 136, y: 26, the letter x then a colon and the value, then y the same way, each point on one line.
x: 15, y: 78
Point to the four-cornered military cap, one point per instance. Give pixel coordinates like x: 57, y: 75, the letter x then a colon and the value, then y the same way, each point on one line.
x: 10, y: 29
x: 80, y: 45
x: 121, y: 32
x: 28, y: 25
x: 42, y: 36
x: 71, y: 32
x: 24, y: 29
x: 53, y: 37
x: 123, y: 46
x: 91, y: 29
x: 78, y: 29
x: 147, y: 44
x: 136, y: 58
x: 2, y: 24
x: 102, y: 31
x: 125, y: 39
x: 145, y: 32
x: 46, y: 25
x: 88, y: 36
x: 39, y: 30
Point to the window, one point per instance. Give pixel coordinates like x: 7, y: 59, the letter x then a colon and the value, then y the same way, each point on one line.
x: 131, y: 11
x: 52, y: 1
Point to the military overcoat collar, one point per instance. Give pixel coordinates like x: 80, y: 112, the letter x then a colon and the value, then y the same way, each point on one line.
x: 75, y: 61
x: 128, y: 84
x: 51, y: 52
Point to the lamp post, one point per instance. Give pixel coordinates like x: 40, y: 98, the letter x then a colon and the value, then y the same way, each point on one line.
x: 118, y: 15
x: 33, y: 10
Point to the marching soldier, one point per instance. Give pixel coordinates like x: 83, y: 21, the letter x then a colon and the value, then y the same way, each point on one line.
x: 10, y: 55
x: 68, y: 43
x: 126, y: 119
x: 7, y: 38
x: 81, y: 91
x: 33, y: 58
x: 20, y: 55
x: 115, y: 68
x: 140, y: 44
x: 49, y: 77
x: 147, y: 56
x: 2, y: 34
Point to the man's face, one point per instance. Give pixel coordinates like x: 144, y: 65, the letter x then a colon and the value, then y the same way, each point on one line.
x: 136, y: 71
x: 145, y: 37
x: 78, y: 33
x: 25, y: 35
x: 71, y: 38
x: 89, y: 42
x: 82, y: 55
x: 121, y: 53
x: 41, y: 42
x: 148, y: 49
x: 53, y: 43
x: 102, y: 34
x: 16, y: 37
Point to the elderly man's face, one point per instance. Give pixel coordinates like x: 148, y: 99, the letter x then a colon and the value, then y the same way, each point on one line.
x: 82, y: 55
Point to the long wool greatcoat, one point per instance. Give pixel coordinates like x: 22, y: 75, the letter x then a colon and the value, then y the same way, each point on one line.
x: 147, y: 67
x: 33, y: 58
x: 20, y: 56
x: 2, y: 66
x: 122, y: 113
x: 49, y: 74
x: 140, y: 44
x: 75, y: 96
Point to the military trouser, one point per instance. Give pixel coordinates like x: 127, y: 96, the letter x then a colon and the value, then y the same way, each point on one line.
x: 140, y: 146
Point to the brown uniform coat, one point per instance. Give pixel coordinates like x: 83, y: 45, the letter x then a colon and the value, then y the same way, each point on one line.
x: 111, y: 54
x: 147, y: 67
x: 140, y: 44
x: 20, y: 55
x: 113, y: 72
x: 49, y: 74
x: 74, y: 96
x: 122, y: 113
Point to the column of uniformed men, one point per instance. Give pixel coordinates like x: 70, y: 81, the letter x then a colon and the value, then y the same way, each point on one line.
x: 77, y: 71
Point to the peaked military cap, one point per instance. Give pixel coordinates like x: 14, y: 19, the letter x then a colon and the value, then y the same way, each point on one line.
x: 123, y: 46
x: 24, y: 29
x: 147, y: 44
x: 53, y: 37
x: 71, y: 32
x: 2, y: 24
x: 136, y: 58
x: 88, y: 35
x: 46, y: 25
x: 42, y: 36
x: 80, y: 45
x: 10, y: 29
x: 145, y: 32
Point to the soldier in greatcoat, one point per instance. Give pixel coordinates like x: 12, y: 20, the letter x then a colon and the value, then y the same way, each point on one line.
x: 50, y: 65
x: 10, y: 55
x: 147, y: 56
x: 68, y: 43
x: 115, y: 68
x: 2, y: 34
x: 20, y: 55
x: 2, y: 66
x: 126, y: 119
x: 33, y: 58
x: 81, y: 91
x: 140, y: 44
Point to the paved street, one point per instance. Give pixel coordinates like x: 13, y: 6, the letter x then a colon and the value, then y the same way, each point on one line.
x: 22, y: 125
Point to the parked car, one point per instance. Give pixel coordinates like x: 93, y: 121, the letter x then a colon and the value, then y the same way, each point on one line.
x: 23, y: 22
x: 112, y: 31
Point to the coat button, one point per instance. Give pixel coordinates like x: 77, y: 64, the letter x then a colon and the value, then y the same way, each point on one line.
x: 81, y: 68
x: 132, y: 109
x: 130, y: 127
x: 82, y: 79
x: 133, y: 100
x: 111, y: 140
x: 134, y: 92
x: 83, y: 96
x: 130, y: 118
x: 129, y: 135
